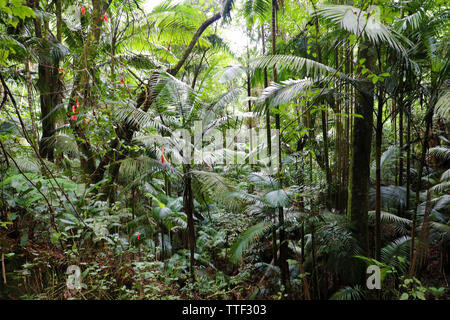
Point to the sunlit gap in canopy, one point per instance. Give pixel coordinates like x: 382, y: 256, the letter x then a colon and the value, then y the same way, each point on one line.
x: 233, y: 34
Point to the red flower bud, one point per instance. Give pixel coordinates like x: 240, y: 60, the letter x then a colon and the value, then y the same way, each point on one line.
x: 121, y: 80
x: 83, y: 11
x: 105, y: 17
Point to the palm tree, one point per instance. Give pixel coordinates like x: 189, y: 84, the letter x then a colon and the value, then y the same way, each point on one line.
x: 189, y: 109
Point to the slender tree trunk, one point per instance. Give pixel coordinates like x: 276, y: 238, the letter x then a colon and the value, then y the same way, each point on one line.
x: 29, y: 85
x: 378, y: 145
x: 429, y: 124
x: 315, y: 267
x: 324, y: 123
x: 379, y: 137
x: 408, y: 161
x: 400, y: 139
x: 269, y: 141
x: 284, y: 268
x: 188, y: 204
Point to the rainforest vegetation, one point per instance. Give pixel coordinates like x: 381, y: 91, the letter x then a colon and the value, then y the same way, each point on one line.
x: 224, y: 149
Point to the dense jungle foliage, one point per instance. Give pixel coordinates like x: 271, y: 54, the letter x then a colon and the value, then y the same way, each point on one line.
x: 330, y: 151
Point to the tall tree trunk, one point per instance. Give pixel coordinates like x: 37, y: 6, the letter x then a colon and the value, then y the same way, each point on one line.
x: 361, y: 143
x: 48, y: 87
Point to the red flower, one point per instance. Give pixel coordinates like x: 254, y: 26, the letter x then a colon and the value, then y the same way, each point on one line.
x: 73, y: 118
x: 105, y: 17
x: 60, y: 69
x: 121, y: 80
x: 73, y: 108
x: 138, y: 237
x: 83, y: 11
x: 162, y: 155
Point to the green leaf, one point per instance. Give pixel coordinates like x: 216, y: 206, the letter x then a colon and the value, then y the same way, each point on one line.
x: 420, y: 295
x: 404, y: 296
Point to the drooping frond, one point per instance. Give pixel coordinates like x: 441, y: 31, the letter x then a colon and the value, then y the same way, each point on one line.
x: 286, y: 92
x: 232, y: 73
x: 134, y: 167
x: 245, y: 239
x: 441, y: 152
x: 62, y: 142
x: 413, y: 20
x: 400, y: 224
x: 309, y: 67
x: 393, y: 198
x: 388, y: 161
x: 259, y: 9
x: 178, y: 95
x: 395, y: 249
x: 138, y: 118
x: 361, y: 23
x: 277, y: 198
x: 210, y: 185
x: 443, y: 106
x: 348, y: 293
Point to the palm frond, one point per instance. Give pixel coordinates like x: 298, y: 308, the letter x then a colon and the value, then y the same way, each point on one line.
x: 309, y: 67
x: 245, y: 239
x: 348, y: 293
x: 286, y: 92
x: 361, y: 23
x: 397, y: 248
x: 441, y: 152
